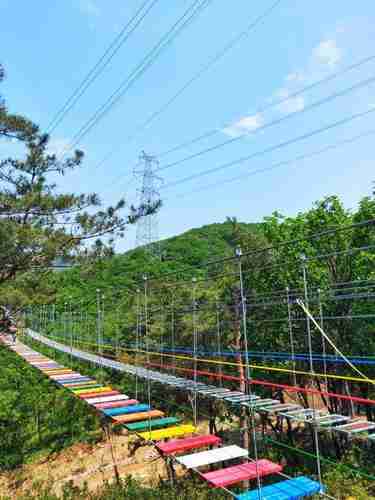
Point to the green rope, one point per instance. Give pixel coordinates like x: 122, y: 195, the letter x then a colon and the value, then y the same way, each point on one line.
x: 325, y: 460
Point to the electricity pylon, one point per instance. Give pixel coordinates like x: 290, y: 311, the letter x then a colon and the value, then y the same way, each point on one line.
x: 148, y: 196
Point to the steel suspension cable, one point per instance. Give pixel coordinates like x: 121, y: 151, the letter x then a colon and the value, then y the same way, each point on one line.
x: 271, y: 149
x: 277, y: 103
x: 101, y: 64
x: 138, y: 71
x: 305, y: 109
x: 219, y: 55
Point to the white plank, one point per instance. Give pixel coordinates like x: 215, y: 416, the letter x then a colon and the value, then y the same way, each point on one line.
x: 202, y: 458
x: 106, y: 399
x: 326, y: 420
x: 280, y: 407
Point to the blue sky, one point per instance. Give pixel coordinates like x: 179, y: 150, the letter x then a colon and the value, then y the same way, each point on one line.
x: 48, y: 48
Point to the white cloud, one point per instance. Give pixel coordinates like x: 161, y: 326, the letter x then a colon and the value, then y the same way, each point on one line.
x: 291, y: 105
x: 327, y: 52
x: 89, y: 7
x: 244, y: 125
x: 322, y: 59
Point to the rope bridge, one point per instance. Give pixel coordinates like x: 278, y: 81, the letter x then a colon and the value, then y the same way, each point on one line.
x: 176, y: 441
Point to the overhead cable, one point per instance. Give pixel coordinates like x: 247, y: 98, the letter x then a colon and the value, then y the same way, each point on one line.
x: 270, y: 149
x: 314, y: 105
x: 271, y: 105
x: 150, y: 58
x: 283, y: 163
x: 212, y: 61
x: 101, y: 64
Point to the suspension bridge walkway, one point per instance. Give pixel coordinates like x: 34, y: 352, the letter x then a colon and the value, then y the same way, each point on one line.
x: 177, y: 441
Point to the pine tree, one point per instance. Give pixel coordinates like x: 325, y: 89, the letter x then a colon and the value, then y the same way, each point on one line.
x: 37, y: 223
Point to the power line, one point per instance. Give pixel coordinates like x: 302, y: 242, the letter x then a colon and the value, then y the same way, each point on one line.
x: 138, y: 71
x: 272, y: 105
x: 100, y: 65
x: 271, y: 148
x: 284, y: 163
x: 316, y: 104
x: 219, y: 55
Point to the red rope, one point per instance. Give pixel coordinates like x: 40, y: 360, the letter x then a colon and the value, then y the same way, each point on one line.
x: 288, y: 388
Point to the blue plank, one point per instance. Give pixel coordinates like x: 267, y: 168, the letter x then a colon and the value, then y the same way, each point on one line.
x: 291, y: 489
x: 74, y: 380
x: 112, y: 412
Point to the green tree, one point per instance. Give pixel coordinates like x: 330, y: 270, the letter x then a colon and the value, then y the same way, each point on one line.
x: 38, y: 223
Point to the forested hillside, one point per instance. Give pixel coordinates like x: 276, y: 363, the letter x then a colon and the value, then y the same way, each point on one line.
x: 324, y: 256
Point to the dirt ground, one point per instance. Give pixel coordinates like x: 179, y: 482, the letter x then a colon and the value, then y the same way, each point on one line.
x: 91, y: 464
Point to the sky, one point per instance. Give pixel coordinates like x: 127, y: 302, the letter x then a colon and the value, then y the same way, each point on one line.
x: 230, y: 73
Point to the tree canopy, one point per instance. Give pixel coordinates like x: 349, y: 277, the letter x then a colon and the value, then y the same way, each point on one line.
x: 37, y: 222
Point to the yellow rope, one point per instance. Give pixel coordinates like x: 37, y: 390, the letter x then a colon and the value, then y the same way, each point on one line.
x: 229, y: 363
x: 257, y: 367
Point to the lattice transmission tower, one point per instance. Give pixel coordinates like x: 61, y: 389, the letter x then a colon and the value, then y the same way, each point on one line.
x: 148, y: 195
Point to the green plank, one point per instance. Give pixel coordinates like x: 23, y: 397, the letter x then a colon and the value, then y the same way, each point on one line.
x: 154, y: 424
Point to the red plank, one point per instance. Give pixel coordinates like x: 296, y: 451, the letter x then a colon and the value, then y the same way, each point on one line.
x: 242, y: 472
x: 89, y: 395
x: 191, y: 443
x: 116, y: 404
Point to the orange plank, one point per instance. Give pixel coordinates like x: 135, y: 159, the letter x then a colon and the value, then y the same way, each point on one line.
x: 134, y: 417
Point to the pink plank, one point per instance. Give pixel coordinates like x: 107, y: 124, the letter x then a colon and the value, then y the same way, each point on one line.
x: 357, y: 425
x: 242, y: 472
x: 116, y: 404
x: 177, y: 445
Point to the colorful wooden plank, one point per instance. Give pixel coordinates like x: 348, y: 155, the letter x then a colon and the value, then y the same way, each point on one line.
x: 93, y: 396
x: 84, y: 385
x: 93, y: 391
x: 260, y: 402
x: 152, y: 424
x: 116, y: 404
x: 291, y: 489
x: 279, y: 407
x: 59, y: 371
x: 356, y: 427
x: 67, y: 376
x: 136, y: 417
x: 241, y: 399
x: 73, y: 380
x: 108, y: 398
x: 242, y: 472
x: 186, y: 444
x: 124, y: 410
x: 331, y: 419
x: 171, y: 432
x: 214, y: 456
x: 227, y: 394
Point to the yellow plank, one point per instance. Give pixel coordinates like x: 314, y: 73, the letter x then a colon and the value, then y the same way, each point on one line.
x: 88, y: 391
x: 179, y: 430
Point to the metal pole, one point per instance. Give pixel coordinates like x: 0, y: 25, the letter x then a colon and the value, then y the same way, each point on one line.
x: 98, y: 322
x: 309, y: 339
x: 102, y: 325
x: 65, y: 323
x: 147, y: 344
x: 195, y: 341
x: 118, y: 332
x: 173, y: 332
x: 137, y: 341
x: 71, y: 331
x: 218, y: 339
x: 248, y: 371
x: 291, y: 337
